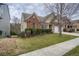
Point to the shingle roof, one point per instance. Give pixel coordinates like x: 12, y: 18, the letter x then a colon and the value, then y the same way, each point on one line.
x: 49, y: 18
x: 42, y: 19
x: 26, y: 15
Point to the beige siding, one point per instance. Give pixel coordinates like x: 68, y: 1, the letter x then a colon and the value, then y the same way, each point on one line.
x: 23, y: 26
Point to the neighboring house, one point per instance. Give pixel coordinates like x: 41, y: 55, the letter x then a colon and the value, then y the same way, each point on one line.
x: 75, y: 25
x: 31, y: 21
x: 4, y: 20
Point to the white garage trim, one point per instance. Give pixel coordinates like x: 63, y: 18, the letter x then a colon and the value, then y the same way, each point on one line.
x: 55, y: 29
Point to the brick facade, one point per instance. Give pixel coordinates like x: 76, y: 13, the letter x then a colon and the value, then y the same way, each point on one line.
x: 33, y: 22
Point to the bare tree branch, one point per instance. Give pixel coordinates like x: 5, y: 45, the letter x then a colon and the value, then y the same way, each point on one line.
x: 63, y: 9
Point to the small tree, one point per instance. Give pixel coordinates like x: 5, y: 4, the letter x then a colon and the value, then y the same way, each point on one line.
x: 16, y: 24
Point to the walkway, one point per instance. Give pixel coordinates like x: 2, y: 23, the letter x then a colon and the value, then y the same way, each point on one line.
x: 55, y: 50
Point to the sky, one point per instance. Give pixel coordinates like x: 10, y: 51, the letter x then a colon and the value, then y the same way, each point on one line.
x: 16, y: 10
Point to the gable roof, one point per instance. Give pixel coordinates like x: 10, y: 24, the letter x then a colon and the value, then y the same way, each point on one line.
x: 42, y: 19
x: 50, y: 18
x: 25, y: 16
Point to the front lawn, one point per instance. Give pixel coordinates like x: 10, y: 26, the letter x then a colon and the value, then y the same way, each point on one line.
x: 17, y: 46
x: 73, y: 52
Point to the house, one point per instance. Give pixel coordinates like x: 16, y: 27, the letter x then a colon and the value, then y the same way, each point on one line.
x: 4, y: 20
x: 75, y: 25
x: 72, y: 26
x: 52, y: 23
x: 31, y: 21
x: 48, y: 22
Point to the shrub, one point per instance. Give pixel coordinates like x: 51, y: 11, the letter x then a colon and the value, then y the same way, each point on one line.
x: 64, y: 30
x: 39, y: 31
x: 8, y: 36
x: 77, y: 29
x: 21, y: 34
x: 72, y: 30
x: 13, y: 33
x: 33, y: 32
x: 0, y: 32
x: 28, y: 32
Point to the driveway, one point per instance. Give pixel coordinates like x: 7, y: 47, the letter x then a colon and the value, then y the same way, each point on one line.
x: 74, y: 34
x: 55, y: 50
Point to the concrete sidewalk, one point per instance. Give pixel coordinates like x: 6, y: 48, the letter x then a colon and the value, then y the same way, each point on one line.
x: 55, y: 50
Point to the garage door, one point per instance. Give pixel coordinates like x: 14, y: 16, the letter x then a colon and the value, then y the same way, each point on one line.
x: 56, y: 29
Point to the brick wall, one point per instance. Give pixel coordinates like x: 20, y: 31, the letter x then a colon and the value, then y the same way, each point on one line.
x: 33, y: 22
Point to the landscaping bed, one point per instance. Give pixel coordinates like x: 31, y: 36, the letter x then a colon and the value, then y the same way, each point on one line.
x: 17, y: 46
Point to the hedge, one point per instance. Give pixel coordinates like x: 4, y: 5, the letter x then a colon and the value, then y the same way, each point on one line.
x: 13, y: 33
x: 34, y: 32
x: 0, y: 32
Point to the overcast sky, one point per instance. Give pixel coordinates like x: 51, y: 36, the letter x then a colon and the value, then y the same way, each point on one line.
x: 17, y: 8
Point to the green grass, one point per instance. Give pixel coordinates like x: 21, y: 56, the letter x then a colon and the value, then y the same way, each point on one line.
x: 73, y: 52
x: 25, y: 45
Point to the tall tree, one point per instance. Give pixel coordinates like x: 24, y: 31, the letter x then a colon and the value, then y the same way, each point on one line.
x: 61, y: 10
x: 16, y: 25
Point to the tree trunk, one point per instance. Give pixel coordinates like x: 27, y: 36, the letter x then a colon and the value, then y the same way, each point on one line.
x: 60, y: 20
x: 60, y: 29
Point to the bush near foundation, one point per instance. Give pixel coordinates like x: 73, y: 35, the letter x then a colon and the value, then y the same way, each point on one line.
x: 34, y: 32
x: 12, y: 33
x: 0, y: 32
